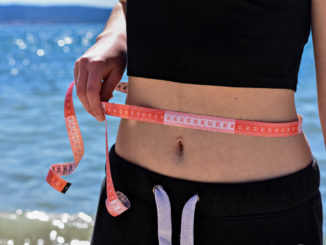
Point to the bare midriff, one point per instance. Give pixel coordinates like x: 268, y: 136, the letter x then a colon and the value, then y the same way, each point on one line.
x: 205, y: 156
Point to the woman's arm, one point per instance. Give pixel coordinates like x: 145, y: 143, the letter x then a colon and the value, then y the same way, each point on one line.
x: 318, y: 29
x: 101, y: 67
x: 116, y: 21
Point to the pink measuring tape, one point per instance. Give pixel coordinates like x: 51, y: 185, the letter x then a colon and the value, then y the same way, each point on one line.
x: 117, y: 202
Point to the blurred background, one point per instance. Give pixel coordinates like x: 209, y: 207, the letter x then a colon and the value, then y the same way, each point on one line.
x: 39, y: 44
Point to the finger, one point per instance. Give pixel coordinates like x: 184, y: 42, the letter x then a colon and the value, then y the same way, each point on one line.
x: 109, y: 85
x: 76, y: 71
x: 81, y: 89
x: 122, y: 87
x: 93, y: 90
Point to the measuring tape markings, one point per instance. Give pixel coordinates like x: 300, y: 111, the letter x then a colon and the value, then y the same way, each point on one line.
x: 204, y: 122
x: 76, y: 143
x: 116, y: 202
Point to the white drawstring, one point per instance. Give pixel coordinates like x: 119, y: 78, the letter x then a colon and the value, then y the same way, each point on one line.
x: 187, y: 221
x: 164, y: 218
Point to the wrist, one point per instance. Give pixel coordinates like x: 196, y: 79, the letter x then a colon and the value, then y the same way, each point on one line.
x: 110, y: 39
x: 119, y: 35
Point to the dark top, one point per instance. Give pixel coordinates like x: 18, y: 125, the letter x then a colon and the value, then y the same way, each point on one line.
x: 236, y: 43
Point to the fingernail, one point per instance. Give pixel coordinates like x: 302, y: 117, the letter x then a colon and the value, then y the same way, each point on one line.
x: 101, y: 119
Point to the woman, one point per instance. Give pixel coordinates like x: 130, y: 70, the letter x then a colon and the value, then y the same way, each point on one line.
x: 233, y: 59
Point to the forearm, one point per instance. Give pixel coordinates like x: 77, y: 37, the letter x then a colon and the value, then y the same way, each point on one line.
x: 320, y: 63
x: 322, y: 111
x: 318, y: 21
x: 116, y: 23
x: 321, y: 88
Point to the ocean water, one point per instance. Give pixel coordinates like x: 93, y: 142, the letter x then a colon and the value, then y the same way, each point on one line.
x: 36, y: 67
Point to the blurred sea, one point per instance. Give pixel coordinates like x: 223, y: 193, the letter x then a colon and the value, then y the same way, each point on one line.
x: 36, y: 67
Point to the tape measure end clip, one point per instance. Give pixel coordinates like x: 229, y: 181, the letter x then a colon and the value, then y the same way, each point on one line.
x: 66, y: 187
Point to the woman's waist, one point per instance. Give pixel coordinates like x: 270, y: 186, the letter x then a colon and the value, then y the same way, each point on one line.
x: 210, y: 156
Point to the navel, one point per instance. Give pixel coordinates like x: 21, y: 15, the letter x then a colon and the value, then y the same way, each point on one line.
x: 179, y: 145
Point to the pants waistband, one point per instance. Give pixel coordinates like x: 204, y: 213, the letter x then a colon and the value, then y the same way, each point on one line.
x: 218, y: 199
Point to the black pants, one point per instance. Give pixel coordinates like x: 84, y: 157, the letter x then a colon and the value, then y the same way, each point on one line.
x: 285, y: 210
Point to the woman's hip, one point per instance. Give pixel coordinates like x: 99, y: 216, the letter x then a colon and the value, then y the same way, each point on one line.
x: 283, y: 210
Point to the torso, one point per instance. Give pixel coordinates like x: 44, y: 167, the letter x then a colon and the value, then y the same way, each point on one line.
x: 209, y: 156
